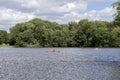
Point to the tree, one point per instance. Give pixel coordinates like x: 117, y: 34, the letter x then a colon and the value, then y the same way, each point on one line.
x: 100, y: 37
x: 72, y: 30
x: 92, y: 34
x: 116, y: 5
x: 83, y: 37
x: 85, y: 33
x: 3, y: 36
x: 116, y: 37
x: 22, y: 34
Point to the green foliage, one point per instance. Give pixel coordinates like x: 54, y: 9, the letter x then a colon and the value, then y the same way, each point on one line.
x: 72, y: 30
x: 116, y: 37
x: 85, y: 33
x: 3, y: 36
x: 116, y: 5
x: 92, y: 34
x: 38, y: 33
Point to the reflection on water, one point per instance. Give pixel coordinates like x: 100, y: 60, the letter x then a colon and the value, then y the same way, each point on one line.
x: 68, y: 64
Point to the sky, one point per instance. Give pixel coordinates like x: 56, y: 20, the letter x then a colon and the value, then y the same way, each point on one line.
x: 61, y: 11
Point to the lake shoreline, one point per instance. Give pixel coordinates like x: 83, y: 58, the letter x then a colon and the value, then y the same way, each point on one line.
x: 10, y: 46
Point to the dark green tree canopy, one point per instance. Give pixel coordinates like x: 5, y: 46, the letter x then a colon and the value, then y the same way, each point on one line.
x: 3, y: 36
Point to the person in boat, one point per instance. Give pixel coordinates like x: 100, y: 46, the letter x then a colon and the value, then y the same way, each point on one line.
x: 52, y: 50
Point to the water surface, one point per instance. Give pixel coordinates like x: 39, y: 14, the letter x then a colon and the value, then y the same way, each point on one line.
x: 68, y: 64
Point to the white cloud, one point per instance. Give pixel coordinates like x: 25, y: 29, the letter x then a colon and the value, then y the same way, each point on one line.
x: 10, y: 17
x: 65, y: 8
x: 104, y: 14
x: 15, y: 11
x: 31, y: 4
x: 45, y: 6
x: 73, y: 6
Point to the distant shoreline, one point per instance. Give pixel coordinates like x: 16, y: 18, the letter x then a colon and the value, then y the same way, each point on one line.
x: 9, y: 46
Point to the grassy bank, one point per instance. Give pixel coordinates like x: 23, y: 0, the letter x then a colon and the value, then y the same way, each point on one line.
x: 6, y: 46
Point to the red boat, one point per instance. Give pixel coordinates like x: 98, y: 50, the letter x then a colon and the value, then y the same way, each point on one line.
x: 53, y: 50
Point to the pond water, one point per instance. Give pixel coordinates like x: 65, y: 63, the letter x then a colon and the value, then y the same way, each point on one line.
x: 64, y: 64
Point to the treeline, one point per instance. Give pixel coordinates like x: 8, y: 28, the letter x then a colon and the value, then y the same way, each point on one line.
x: 40, y: 33
x: 3, y: 36
x: 85, y: 33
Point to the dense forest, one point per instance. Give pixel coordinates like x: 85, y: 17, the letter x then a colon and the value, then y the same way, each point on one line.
x: 85, y: 33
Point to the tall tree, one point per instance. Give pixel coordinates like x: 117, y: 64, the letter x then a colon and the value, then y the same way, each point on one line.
x: 116, y: 5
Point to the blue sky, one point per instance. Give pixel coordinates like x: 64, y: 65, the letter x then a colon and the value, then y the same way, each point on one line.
x: 99, y: 5
x: 61, y: 11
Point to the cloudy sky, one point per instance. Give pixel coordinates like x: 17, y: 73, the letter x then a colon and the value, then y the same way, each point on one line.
x: 62, y: 11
